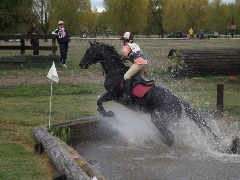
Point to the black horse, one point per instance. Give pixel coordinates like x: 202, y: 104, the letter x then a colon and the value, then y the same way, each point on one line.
x: 159, y: 102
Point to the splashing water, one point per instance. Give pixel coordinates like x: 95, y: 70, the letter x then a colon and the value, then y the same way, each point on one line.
x: 140, y: 153
x: 137, y: 129
x: 134, y: 127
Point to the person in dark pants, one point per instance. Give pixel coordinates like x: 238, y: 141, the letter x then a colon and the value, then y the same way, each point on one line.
x: 34, y: 42
x: 201, y: 33
x: 63, y: 41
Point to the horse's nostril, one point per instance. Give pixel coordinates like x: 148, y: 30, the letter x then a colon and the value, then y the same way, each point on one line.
x: 83, y: 66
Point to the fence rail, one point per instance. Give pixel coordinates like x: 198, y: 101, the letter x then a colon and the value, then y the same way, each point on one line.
x: 24, y: 47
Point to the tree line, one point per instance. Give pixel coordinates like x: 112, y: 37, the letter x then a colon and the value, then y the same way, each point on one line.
x: 138, y: 16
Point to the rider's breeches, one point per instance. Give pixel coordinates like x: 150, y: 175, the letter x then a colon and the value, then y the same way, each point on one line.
x: 134, y: 69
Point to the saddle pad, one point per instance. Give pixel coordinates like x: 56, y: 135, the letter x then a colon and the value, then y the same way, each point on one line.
x: 139, y: 90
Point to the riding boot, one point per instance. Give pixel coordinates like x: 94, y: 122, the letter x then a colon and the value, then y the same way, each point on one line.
x: 127, y: 90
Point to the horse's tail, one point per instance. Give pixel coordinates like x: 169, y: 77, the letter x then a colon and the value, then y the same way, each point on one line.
x: 192, y: 113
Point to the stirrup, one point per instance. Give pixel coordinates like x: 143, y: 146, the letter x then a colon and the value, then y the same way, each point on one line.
x: 150, y: 83
x: 147, y: 82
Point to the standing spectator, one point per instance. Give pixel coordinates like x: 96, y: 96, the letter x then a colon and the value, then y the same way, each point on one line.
x: 34, y: 42
x: 63, y: 40
x: 191, y: 33
x: 201, y: 33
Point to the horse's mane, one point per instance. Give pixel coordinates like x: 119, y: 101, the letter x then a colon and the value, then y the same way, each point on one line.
x: 112, y: 54
x: 109, y: 47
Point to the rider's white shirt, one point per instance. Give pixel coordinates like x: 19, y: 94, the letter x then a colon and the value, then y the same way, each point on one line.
x: 134, y: 47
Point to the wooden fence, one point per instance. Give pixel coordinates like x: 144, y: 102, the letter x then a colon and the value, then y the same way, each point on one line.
x: 23, y: 59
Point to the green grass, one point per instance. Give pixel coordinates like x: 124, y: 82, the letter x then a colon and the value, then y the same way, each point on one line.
x: 25, y: 96
x: 17, y: 163
x: 44, y: 90
x: 23, y: 107
x: 202, y: 92
x: 32, y: 111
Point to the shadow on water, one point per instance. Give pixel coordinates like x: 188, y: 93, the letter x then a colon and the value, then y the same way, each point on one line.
x: 135, y: 149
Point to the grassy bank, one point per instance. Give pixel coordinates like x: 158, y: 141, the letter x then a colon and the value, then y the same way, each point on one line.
x: 25, y: 95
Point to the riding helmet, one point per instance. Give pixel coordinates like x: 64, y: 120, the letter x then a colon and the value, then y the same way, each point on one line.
x: 127, y: 36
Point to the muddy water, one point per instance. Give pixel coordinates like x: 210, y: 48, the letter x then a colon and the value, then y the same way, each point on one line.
x: 135, y: 150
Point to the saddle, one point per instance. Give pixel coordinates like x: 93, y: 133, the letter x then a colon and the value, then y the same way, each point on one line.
x: 139, y: 79
x: 140, y: 85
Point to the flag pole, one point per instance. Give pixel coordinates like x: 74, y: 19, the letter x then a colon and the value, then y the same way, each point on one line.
x: 50, y: 110
x: 52, y: 74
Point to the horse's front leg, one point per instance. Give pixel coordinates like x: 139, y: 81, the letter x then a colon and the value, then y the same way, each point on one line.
x: 104, y: 98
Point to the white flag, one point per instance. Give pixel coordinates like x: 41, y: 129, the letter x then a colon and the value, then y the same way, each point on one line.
x: 52, y: 74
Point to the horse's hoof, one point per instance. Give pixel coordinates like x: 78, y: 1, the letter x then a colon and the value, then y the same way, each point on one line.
x: 235, y: 146
x: 170, y: 143
x: 110, y: 114
x: 102, y: 112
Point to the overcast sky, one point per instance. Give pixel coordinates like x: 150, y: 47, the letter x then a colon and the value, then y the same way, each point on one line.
x: 99, y: 6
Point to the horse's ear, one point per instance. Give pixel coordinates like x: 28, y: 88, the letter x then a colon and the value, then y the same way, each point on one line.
x: 91, y: 44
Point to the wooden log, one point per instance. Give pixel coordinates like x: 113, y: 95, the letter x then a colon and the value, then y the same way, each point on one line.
x: 87, y: 167
x: 86, y: 129
x: 208, y: 61
x: 64, y: 163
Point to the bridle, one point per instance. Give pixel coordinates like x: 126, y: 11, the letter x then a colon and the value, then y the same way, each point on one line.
x: 104, y: 61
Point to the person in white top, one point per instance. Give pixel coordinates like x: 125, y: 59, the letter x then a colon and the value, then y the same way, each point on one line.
x: 133, y: 52
x: 63, y: 41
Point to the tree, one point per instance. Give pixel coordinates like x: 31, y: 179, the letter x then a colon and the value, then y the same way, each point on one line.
x: 102, y: 26
x: 195, y: 12
x: 14, y: 13
x: 89, y: 22
x: 234, y: 11
x: 174, y: 18
x: 126, y: 15
x: 74, y: 13
x: 217, y: 17
x: 155, y: 17
x: 43, y: 10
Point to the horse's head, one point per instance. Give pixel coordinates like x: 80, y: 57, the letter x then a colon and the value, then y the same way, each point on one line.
x: 91, y: 56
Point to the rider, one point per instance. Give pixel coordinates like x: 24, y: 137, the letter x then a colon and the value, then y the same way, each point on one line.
x: 132, y: 52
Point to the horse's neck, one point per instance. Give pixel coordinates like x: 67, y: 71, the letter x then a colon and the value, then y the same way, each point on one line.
x: 111, y: 65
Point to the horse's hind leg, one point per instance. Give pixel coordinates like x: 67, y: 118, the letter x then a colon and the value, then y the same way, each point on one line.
x: 161, y: 122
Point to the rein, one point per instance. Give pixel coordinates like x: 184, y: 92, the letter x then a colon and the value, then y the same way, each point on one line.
x: 102, y: 62
x: 103, y: 73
